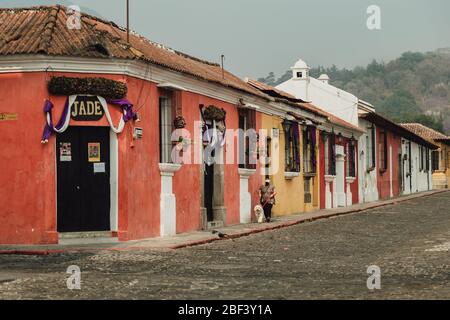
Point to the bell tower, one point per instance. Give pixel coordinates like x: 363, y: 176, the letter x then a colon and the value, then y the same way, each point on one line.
x: 300, y: 74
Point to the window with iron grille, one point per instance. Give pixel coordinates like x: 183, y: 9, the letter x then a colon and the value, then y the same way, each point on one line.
x: 330, y: 153
x: 166, y: 117
x: 247, y: 139
x: 291, y: 146
x: 307, y: 190
x: 351, y: 156
x: 309, y: 150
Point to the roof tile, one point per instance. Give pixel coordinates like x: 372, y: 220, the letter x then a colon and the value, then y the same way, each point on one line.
x: 425, y: 132
x: 43, y: 30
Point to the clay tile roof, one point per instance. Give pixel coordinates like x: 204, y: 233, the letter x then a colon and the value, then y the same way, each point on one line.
x: 290, y: 99
x: 343, y: 123
x: 272, y: 90
x: 425, y: 132
x: 43, y: 30
x: 398, y: 129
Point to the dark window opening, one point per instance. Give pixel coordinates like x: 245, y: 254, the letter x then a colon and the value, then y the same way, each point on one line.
x: 351, y: 156
x: 383, y: 152
x: 435, y: 160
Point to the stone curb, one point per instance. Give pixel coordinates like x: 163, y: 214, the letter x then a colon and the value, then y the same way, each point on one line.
x: 235, y: 235
x: 310, y: 219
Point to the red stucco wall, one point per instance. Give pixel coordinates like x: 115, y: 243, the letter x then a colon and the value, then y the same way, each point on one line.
x: 28, y: 181
x: 384, y: 177
x: 353, y: 186
x: 27, y: 186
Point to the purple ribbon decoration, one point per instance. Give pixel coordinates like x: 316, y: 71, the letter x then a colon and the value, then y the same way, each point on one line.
x: 48, y: 129
x: 127, y: 108
x: 312, y: 133
x: 296, y: 134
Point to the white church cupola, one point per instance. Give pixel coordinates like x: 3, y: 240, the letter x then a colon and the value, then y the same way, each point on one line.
x: 324, y: 78
x: 300, y: 70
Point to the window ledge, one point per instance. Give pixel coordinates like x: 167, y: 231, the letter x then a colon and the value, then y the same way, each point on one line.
x: 291, y: 175
x: 329, y: 178
x: 246, y: 172
x: 309, y: 174
x: 169, y: 168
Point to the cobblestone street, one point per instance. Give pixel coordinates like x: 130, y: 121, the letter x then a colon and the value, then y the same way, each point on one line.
x: 325, y: 259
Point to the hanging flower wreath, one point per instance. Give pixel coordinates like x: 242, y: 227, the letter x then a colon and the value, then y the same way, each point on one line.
x: 107, y: 88
x: 214, y: 125
x: 213, y: 113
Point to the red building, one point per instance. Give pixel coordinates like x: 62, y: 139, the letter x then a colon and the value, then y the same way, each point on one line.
x: 338, y: 171
x: 110, y: 165
x: 386, y: 155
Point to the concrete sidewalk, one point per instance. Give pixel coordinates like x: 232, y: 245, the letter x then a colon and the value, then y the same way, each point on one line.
x: 202, y: 237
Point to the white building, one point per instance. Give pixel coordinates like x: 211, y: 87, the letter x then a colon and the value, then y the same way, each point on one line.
x: 340, y: 104
x: 415, y: 167
x: 367, y: 158
x: 319, y: 92
x: 409, y: 164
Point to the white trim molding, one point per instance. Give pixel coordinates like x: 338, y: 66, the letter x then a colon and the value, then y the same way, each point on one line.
x: 168, y: 202
x: 163, y: 77
x: 245, y: 198
x: 133, y: 68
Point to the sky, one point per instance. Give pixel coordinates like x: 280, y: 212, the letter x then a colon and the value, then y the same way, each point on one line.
x: 260, y: 36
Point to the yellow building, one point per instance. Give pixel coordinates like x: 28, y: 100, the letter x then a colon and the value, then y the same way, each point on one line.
x: 297, y: 186
x: 292, y: 146
x: 440, y: 158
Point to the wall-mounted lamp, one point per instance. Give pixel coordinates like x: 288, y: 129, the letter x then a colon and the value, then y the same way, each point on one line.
x: 353, y: 141
x: 286, y: 125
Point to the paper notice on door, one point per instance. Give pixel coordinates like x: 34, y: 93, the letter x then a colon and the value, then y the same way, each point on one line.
x: 99, y: 167
x: 94, y: 151
x: 65, y: 151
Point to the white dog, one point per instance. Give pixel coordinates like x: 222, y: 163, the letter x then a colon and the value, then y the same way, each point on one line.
x: 259, y: 213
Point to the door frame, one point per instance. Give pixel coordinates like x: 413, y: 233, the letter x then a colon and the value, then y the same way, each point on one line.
x: 113, y: 181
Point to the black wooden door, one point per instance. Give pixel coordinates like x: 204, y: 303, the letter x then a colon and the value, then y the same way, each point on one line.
x: 83, y: 183
x: 209, y: 191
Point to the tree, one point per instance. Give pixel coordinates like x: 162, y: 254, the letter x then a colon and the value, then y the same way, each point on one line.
x: 400, y: 105
x: 270, y: 79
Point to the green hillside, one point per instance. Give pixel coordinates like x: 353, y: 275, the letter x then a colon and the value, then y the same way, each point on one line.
x: 412, y: 88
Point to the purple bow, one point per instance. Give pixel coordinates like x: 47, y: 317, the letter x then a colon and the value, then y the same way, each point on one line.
x: 127, y: 106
